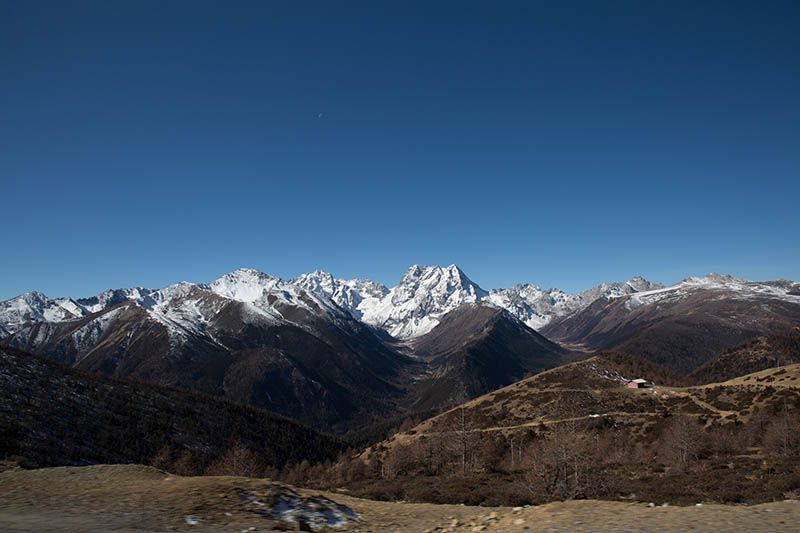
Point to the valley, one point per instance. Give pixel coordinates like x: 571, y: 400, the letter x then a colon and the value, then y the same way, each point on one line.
x: 435, y: 392
x: 346, y: 354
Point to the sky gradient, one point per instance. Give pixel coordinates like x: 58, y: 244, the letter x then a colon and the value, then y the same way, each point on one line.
x: 557, y: 143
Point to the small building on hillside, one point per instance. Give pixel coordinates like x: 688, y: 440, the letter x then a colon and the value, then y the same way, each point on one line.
x: 639, y: 384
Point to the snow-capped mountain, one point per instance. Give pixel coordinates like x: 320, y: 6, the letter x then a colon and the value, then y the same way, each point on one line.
x: 737, y: 288
x: 537, y: 307
x: 272, y: 295
x: 35, y: 307
x: 188, y: 308
x: 183, y: 307
x: 180, y: 319
x: 426, y: 293
x: 408, y: 310
x: 686, y: 324
x: 349, y: 294
x: 248, y: 336
x: 301, y: 346
x: 110, y: 298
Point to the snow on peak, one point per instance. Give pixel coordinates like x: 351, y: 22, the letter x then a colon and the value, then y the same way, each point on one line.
x: 412, y: 308
x: 112, y: 297
x: 536, y: 307
x: 729, y: 286
x: 166, y: 295
x: 714, y: 279
x: 268, y: 294
x: 244, y: 285
x: 443, y: 282
x: 348, y: 294
x: 34, y: 307
x: 423, y: 296
x: 639, y: 284
x: 425, y: 293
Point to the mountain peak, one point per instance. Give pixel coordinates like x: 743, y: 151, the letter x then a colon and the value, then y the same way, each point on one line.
x: 416, y: 272
x: 640, y: 284
x: 33, y: 296
x: 243, y: 284
x: 248, y: 272
x: 712, y: 278
x: 720, y: 277
x: 424, y: 294
x: 247, y: 275
x: 33, y: 306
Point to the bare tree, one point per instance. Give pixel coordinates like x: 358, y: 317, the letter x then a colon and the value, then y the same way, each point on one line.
x: 399, y: 460
x: 757, y: 425
x: 431, y: 454
x: 238, y: 460
x: 682, y: 442
x: 185, y: 465
x: 511, y: 440
x: 162, y: 459
x: 462, y: 439
x: 782, y: 437
x: 559, y: 465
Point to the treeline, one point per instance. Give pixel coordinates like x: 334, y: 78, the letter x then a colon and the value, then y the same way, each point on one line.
x: 678, y: 461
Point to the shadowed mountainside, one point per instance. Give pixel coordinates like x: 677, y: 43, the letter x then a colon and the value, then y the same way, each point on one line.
x: 767, y: 351
x: 678, y: 328
x: 478, y: 348
x: 335, y: 373
x: 55, y: 415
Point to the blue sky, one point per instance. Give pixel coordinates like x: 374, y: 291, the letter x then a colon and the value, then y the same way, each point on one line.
x: 558, y: 143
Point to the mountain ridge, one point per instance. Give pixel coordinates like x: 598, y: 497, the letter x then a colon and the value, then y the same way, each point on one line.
x: 684, y: 325
x: 408, y: 310
x: 247, y: 336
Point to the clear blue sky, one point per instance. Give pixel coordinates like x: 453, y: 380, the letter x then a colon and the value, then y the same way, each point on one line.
x: 559, y: 143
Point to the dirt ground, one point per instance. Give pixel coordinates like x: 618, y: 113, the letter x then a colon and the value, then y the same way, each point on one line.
x: 138, y: 498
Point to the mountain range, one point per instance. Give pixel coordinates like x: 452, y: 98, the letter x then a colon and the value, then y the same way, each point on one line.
x: 685, y: 325
x: 347, y: 353
x: 408, y: 310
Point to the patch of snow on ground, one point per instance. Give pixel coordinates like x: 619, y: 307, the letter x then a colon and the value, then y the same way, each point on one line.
x: 316, y: 512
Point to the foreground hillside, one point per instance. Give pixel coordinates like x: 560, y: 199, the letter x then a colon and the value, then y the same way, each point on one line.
x: 54, y: 415
x: 135, y: 498
x: 579, y: 432
x: 595, y: 390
